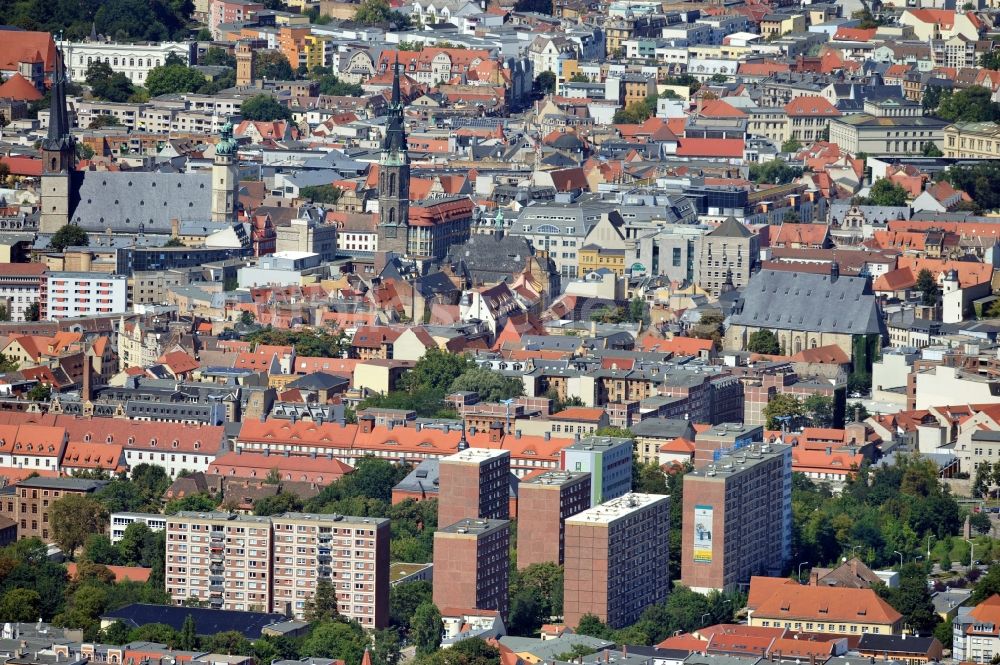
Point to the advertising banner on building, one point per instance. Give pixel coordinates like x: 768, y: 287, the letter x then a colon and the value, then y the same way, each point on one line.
x: 703, y: 534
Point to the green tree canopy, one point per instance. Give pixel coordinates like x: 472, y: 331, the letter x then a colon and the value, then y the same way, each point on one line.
x: 981, y: 181
x: 885, y: 193
x: 426, y: 628
x: 927, y: 286
x: 73, y: 518
x: 492, y: 386
x: 273, y: 65
x: 782, y: 406
x: 69, y: 235
x: 763, y: 341
x: 171, y: 79
x: 774, y: 172
x: 973, y: 104
x: 264, y: 107
x: 545, y: 83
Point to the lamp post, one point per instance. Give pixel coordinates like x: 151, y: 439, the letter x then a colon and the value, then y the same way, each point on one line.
x: 900, y: 558
x: 929, y: 546
x: 804, y: 563
x: 706, y: 614
x: 972, y: 552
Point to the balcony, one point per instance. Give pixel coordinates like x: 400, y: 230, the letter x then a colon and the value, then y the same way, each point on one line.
x: 215, y: 589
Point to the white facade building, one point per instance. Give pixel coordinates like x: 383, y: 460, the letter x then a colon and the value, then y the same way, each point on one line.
x: 121, y: 521
x: 133, y: 60
x: 74, y: 294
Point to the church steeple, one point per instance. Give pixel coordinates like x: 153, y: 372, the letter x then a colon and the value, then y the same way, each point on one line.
x: 58, y: 147
x: 58, y: 159
x: 394, y: 177
x: 394, y: 144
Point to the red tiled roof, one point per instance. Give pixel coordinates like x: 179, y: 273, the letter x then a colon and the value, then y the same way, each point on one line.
x: 811, y: 105
x: 20, y: 88
x: 698, y: 147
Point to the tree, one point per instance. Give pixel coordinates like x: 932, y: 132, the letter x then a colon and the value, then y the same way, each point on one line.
x: 33, y: 312
x: 218, y: 57
x: 931, y: 150
x: 436, y: 371
x: 20, y: 605
x: 273, y: 65
x: 331, y: 85
x: 426, y: 628
x: 386, y: 647
x: 912, y: 599
x: 199, y: 502
x: 928, y: 286
x: 103, y: 120
x: 633, y: 114
x: 4, y: 313
x: 39, y: 393
x: 7, y: 364
x: 321, y: 193
x: 545, y: 83
x: 780, y: 407
x: 491, y: 386
x: 990, y: 60
x: 323, y: 604
x: 763, y: 341
x: 377, y: 13
x: 172, y: 79
x: 264, y: 107
x: 819, y: 410
x: 981, y: 181
x: 973, y: 104
x: 885, y: 193
x: 537, y: 6
x: 774, y: 172
x: 980, y: 522
x: 247, y: 317
x: 99, y: 549
x: 404, y: 599
x: 116, y: 88
x: 69, y: 235
x: 636, y: 310
x: 174, y: 242
x: 791, y: 145
x: 987, y: 585
x: 336, y: 639
x: 98, y: 71
x: 188, y: 640
x: 74, y: 517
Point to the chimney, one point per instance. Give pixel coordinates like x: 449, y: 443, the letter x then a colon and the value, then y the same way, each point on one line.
x: 85, y: 394
x: 854, y: 566
x: 367, y: 423
x: 834, y: 272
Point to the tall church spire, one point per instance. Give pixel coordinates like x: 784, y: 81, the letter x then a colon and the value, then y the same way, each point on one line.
x: 59, y: 138
x: 59, y: 191
x: 394, y: 145
x: 394, y: 177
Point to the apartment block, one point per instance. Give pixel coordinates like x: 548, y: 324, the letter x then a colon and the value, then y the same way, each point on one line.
x: 737, y: 518
x: 29, y: 503
x: 474, y: 484
x: 351, y: 552
x: 273, y: 564
x: 607, y: 459
x: 121, y: 521
x: 223, y: 559
x: 472, y: 565
x: 544, y: 503
x: 616, y: 559
x: 74, y: 294
x: 19, y: 287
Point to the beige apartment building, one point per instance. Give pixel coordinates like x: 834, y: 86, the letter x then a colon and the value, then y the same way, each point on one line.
x: 222, y: 559
x: 351, y: 552
x: 250, y: 563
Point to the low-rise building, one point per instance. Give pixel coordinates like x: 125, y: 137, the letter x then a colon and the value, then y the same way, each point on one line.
x: 972, y: 140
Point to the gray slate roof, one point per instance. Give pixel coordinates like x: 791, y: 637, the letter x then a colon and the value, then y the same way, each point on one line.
x: 786, y: 300
x: 122, y: 201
